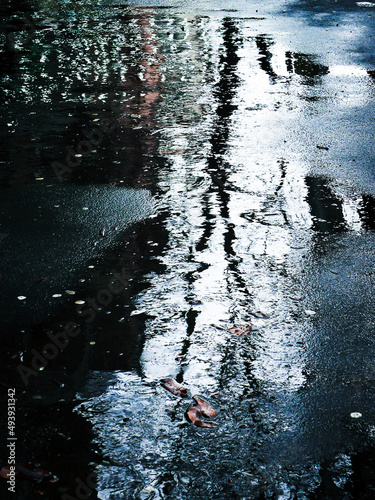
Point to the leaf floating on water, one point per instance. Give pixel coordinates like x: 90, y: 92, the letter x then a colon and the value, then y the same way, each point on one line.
x: 102, y: 231
x: 21, y: 297
x: 79, y: 302
x: 194, y: 414
x: 70, y: 292
x: 322, y: 147
x: 205, y: 408
x: 56, y: 295
x: 174, y: 387
x: 240, y: 331
x: 356, y: 414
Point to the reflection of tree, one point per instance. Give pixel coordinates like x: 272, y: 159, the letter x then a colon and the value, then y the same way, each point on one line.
x: 304, y: 66
x: 264, y: 43
x: 297, y: 63
x: 217, y: 169
x: 325, y: 206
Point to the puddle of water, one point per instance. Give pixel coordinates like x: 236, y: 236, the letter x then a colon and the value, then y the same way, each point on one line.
x: 241, y: 131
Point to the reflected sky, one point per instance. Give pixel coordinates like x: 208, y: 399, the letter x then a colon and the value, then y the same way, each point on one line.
x: 248, y: 206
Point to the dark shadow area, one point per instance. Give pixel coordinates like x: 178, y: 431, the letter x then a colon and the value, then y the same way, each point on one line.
x: 305, y: 66
x: 52, y: 229
x: 366, y: 212
x: 325, y: 206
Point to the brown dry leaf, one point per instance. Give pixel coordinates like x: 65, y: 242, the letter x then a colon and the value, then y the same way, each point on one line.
x: 205, y: 408
x: 194, y: 414
x: 174, y: 387
x: 240, y: 331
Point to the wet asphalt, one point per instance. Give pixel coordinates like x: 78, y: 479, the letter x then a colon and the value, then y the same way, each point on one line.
x: 169, y: 171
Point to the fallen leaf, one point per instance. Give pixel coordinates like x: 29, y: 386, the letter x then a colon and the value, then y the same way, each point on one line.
x: 205, y: 408
x: 102, y: 231
x: 194, y: 414
x: 21, y: 297
x: 240, y: 331
x: 174, y: 387
x: 322, y: 147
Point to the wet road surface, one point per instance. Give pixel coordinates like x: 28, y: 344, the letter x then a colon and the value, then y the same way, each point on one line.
x: 225, y: 159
